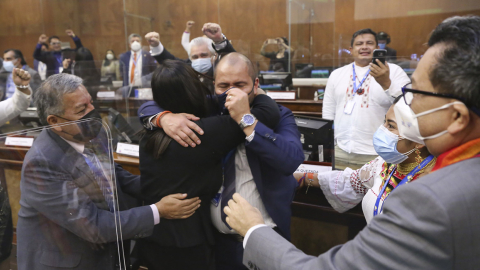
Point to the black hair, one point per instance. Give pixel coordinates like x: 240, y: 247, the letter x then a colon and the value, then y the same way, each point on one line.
x: 362, y: 32
x: 45, y: 44
x: 52, y: 37
x: 457, y: 70
x: 18, y: 54
x: 285, y: 40
x: 85, y: 67
x: 177, y: 88
x: 384, y: 36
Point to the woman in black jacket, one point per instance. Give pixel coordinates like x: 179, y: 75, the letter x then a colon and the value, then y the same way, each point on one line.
x: 167, y: 167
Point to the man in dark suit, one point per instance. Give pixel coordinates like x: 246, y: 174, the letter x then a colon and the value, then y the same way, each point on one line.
x: 71, y: 213
x: 263, y: 165
x: 136, y: 63
x: 433, y: 222
x: 14, y: 59
x: 383, y: 40
x: 53, y: 58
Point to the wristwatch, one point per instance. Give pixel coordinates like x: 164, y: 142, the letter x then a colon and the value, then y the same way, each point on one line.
x: 247, y: 120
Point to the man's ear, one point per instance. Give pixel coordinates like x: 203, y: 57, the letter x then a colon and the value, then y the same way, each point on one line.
x: 460, y: 119
x: 255, y: 86
x: 52, y: 121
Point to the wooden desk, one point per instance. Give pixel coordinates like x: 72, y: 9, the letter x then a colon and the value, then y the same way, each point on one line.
x: 316, y: 227
x: 307, y: 107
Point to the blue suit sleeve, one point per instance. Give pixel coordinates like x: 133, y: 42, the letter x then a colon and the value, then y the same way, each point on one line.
x: 39, y: 55
x: 279, y: 147
x: 78, y: 42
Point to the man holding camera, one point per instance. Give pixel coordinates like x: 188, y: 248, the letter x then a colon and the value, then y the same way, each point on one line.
x: 357, y: 98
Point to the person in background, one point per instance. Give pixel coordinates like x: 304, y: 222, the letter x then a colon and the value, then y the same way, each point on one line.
x: 200, y: 51
x: 83, y: 66
x: 383, y: 40
x: 53, y: 58
x: 136, y: 63
x: 433, y: 222
x: 14, y: 59
x: 357, y: 97
x: 398, y: 159
x: 40, y: 66
x: 110, y: 66
x: 8, y: 110
x: 279, y: 57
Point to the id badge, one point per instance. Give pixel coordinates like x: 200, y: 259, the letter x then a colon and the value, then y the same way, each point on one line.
x: 216, y: 200
x: 349, y: 107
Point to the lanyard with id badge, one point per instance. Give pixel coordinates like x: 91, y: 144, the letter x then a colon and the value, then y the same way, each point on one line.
x: 351, y: 103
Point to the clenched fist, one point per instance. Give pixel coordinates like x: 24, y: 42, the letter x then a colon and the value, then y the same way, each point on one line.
x: 189, y: 26
x: 70, y: 33
x: 42, y: 39
x: 213, y: 31
x: 153, y: 38
x: 21, y: 78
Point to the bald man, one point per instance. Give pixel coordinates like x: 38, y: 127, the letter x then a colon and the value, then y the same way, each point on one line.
x: 263, y: 165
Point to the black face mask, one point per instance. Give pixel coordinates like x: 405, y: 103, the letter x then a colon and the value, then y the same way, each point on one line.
x: 222, y: 98
x: 88, y: 129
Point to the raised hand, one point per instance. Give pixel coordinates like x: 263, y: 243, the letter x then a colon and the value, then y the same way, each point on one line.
x: 21, y: 78
x: 153, y: 38
x: 42, y: 39
x: 189, y: 26
x: 213, y: 31
x: 70, y: 33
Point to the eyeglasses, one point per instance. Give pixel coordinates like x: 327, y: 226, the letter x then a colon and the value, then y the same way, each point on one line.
x: 55, y: 43
x: 408, y: 97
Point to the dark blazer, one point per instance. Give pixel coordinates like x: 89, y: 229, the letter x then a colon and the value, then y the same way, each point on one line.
x: 273, y: 155
x: 64, y: 221
x: 196, y: 171
x: 148, y: 65
x: 391, y: 54
x: 50, y: 59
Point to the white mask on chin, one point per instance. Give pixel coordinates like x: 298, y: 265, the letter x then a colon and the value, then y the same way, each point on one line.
x: 135, y: 46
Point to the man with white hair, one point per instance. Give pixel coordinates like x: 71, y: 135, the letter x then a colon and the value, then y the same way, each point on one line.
x: 200, y: 51
x: 136, y: 63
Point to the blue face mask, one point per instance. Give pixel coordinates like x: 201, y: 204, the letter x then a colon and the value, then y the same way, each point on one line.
x: 202, y: 65
x: 382, y: 46
x: 385, y: 144
x: 8, y: 66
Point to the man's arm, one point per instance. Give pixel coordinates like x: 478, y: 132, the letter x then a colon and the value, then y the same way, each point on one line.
x: 21, y: 98
x: 329, y: 105
x: 76, y: 39
x: 279, y: 147
x: 418, y: 229
x: 38, y: 53
x: 157, y: 50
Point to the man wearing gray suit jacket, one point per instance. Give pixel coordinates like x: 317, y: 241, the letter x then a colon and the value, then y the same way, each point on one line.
x: 66, y: 218
x: 433, y: 222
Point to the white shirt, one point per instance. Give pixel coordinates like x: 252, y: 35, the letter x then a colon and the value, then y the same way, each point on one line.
x: 42, y: 70
x: 354, y: 132
x: 13, y: 106
x: 80, y: 147
x: 137, y: 81
x: 246, y: 187
x: 186, y: 41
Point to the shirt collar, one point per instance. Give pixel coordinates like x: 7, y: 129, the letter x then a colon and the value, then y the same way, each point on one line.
x: 79, y: 147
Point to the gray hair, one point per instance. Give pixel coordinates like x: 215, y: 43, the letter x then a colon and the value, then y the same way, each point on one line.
x: 49, y: 96
x: 199, y: 41
x: 134, y: 35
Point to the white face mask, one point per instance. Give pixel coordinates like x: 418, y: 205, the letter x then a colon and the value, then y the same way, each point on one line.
x: 202, y: 65
x: 109, y: 56
x: 8, y: 66
x: 407, y: 121
x: 135, y: 46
